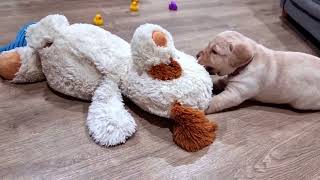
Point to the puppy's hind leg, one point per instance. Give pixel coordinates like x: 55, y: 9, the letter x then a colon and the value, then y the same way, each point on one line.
x: 306, y: 104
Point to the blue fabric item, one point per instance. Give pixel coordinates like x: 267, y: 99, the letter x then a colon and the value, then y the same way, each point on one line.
x: 20, y: 40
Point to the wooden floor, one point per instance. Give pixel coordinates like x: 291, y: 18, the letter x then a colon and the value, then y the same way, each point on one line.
x: 43, y: 135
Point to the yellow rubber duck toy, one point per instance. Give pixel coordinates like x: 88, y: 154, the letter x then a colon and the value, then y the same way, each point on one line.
x: 98, y: 20
x: 134, y: 6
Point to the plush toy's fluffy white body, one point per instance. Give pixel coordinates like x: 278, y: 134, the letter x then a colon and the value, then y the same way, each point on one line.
x: 74, y: 57
x: 193, y: 88
x: 87, y: 62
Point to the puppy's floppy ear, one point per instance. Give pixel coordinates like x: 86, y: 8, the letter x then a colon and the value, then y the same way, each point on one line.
x: 216, y: 49
x: 240, y: 54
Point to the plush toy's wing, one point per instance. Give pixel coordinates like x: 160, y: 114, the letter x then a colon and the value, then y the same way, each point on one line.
x: 109, y: 123
x: 110, y: 54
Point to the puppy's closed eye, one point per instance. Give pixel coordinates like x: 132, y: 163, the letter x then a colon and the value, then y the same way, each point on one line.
x: 230, y: 47
x: 213, y: 51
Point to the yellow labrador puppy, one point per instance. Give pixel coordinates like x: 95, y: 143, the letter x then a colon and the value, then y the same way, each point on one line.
x: 256, y: 72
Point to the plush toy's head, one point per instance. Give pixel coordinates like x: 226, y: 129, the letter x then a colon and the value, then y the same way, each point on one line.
x: 171, y: 86
x: 152, y: 45
x: 41, y: 34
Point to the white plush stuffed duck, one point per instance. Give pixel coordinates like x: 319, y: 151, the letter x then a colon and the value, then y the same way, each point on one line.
x: 87, y: 62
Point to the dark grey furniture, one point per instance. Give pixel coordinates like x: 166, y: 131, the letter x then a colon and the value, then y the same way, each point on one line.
x: 304, y: 12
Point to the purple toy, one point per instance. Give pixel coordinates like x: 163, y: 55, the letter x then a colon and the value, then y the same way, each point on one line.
x: 173, y: 6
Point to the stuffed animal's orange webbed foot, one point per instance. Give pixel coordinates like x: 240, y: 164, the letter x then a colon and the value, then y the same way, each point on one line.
x: 192, y: 130
x: 9, y: 65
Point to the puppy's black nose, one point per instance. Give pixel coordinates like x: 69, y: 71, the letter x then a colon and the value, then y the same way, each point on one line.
x: 198, y: 55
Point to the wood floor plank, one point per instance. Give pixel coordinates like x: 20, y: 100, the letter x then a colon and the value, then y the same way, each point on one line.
x: 43, y: 135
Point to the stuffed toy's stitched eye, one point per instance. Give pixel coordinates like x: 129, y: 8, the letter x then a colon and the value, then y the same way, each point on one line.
x: 48, y: 44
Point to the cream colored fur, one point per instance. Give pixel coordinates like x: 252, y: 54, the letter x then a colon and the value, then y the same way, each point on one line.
x: 272, y: 76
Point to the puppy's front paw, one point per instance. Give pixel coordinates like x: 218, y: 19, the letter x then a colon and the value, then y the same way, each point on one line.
x: 213, y: 108
x: 219, y: 86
